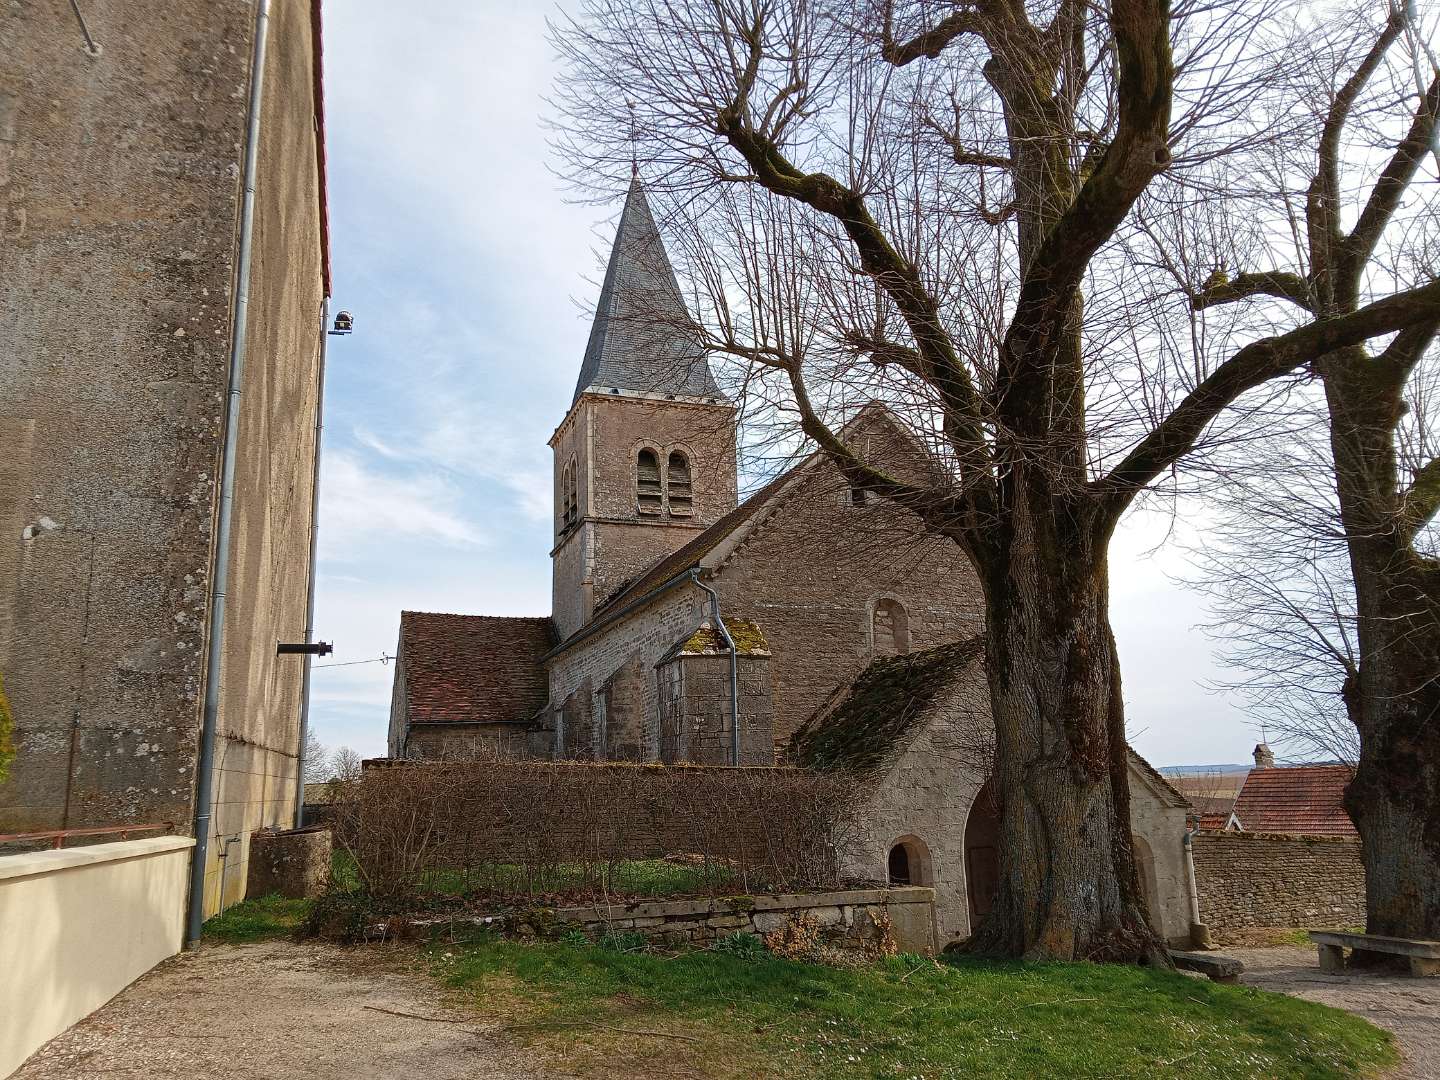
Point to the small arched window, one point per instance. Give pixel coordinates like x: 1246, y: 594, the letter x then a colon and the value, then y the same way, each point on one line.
x: 569, y: 496
x: 889, y: 628
x: 908, y: 862
x: 899, y: 867
x: 677, y: 485
x: 649, y: 497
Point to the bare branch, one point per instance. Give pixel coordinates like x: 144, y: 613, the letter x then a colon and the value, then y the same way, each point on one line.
x: 1420, y: 502
x: 1280, y: 284
x: 1248, y: 368
x: 931, y: 43
x: 1393, y: 182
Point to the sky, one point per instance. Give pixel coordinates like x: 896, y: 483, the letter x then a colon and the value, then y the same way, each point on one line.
x: 472, y: 272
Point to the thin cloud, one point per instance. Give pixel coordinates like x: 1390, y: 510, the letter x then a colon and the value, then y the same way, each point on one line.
x: 363, y: 509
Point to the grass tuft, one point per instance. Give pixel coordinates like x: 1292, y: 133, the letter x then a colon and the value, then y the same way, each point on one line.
x: 256, y: 920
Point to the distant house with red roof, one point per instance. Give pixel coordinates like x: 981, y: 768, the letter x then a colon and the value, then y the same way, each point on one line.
x: 1306, y: 800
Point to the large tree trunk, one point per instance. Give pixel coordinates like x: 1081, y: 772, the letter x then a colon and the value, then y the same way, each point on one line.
x: 1068, y: 885
x: 1394, y: 798
x: 1394, y: 698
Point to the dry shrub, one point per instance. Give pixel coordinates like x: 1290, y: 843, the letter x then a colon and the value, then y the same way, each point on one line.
x: 525, y: 830
x: 796, y: 938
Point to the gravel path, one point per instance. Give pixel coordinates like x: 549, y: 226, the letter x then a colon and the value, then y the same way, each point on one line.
x: 1408, y: 1007
x: 282, y: 1011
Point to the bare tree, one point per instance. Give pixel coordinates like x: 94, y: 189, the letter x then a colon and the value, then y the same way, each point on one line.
x: 345, y: 765
x: 318, y: 767
x: 904, y: 201
x: 1373, y: 611
x: 1271, y: 562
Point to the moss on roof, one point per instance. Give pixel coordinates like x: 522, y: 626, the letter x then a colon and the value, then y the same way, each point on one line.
x: 747, y: 636
x: 879, y: 710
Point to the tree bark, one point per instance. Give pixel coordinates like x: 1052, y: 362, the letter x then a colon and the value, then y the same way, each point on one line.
x: 1068, y: 886
x: 1394, y: 698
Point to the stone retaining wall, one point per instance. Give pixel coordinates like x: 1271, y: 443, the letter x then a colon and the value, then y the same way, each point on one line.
x: 851, y: 913
x: 1271, y: 879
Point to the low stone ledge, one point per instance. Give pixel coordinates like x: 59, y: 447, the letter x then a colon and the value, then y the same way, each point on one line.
x: 910, y: 911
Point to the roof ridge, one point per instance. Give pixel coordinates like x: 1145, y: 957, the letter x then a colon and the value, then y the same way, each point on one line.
x: 468, y: 615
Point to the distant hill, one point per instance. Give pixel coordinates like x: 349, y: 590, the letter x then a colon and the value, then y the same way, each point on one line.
x: 1204, y: 770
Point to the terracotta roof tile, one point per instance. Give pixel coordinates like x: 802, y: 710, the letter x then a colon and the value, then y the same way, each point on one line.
x: 468, y: 668
x: 1303, y: 799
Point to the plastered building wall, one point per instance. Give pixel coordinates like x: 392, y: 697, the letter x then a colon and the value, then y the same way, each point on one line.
x: 119, y: 204
x: 259, y: 723
x: 95, y: 919
x: 118, y: 186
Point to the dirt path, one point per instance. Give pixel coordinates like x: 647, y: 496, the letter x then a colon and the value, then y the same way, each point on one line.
x: 282, y: 1011
x: 1408, y: 1007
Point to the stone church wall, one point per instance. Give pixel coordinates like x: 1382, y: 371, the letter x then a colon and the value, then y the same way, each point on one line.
x: 641, y: 639
x: 1274, y: 880
x: 695, y: 710
x: 810, y: 577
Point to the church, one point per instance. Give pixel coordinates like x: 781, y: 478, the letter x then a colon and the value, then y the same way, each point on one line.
x: 810, y: 624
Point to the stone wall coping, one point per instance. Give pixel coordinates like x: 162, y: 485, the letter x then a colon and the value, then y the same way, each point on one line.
x: 1246, y: 835
x: 34, y: 863
x: 661, y: 909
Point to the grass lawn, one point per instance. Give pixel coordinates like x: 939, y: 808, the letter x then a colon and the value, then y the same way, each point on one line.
x: 608, y: 1012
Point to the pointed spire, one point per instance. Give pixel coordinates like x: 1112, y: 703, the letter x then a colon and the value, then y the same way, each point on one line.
x: 643, y: 337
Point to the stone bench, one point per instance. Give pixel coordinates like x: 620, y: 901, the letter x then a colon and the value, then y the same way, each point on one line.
x: 1424, y: 956
x: 1221, y: 969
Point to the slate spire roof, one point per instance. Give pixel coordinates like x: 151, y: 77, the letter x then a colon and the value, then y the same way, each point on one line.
x: 640, y: 339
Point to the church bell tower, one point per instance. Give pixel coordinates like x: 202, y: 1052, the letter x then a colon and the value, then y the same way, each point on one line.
x: 645, y: 458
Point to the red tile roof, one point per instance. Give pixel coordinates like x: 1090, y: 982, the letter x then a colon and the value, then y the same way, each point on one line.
x: 473, y: 668
x: 1302, y: 799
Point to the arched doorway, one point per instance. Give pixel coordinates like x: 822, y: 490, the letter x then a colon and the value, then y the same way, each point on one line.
x: 1145, y: 871
x: 908, y: 862
x: 982, y: 853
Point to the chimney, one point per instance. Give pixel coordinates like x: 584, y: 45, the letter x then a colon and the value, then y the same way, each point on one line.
x: 1264, y: 758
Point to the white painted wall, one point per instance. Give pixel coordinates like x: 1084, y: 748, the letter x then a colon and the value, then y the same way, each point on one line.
x: 79, y: 925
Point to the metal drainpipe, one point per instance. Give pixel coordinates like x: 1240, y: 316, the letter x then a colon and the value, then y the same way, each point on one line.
x: 310, y: 588
x: 220, y: 573
x: 734, y: 667
x: 1188, y: 844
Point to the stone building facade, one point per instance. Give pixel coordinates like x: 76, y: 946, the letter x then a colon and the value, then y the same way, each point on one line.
x: 120, y: 203
x: 680, y: 613
x: 915, y: 728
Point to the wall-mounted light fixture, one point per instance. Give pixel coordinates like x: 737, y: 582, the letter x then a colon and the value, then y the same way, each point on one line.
x: 344, y: 323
